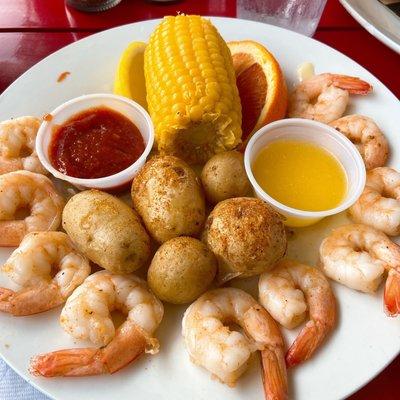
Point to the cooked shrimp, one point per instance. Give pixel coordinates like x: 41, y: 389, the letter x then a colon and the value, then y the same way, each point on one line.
x: 86, y: 315
x: 17, y: 145
x: 22, y: 190
x: 226, y: 353
x: 367, y: 137
x: 325, y: 97
x: 286, y: 292
x: 48, y: 267
x: 379, y: 203
x: 357, y: 256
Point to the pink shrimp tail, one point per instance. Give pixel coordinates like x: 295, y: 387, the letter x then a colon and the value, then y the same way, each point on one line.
x: 352, y: 84
x: 72, y: 362
x: 128, y: 344
x: 392, y: 293
x: 309, y: 339
x: 30, y: 301
x: 274, y: 374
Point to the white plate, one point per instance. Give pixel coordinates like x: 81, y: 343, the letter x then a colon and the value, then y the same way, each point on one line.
x: 377, y: 19
x: 365, y: 340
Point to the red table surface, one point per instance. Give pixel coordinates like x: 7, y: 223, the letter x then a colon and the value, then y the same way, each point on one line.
x: 32, y: 29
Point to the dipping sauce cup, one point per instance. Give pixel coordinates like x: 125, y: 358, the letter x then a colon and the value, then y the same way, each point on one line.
x: 130, y: 109
x: 318, y: 134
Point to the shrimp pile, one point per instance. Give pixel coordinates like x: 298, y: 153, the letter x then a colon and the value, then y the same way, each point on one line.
x: 226, y: 353
x: 357, y: 256
x: 287, y: 292
x: 34, y: 193
x: 325, y: 97
x: 86, y: 315
x: 48, y: 267
x: 379, y: 203
x: 367, y: 137
x: 17, y: 145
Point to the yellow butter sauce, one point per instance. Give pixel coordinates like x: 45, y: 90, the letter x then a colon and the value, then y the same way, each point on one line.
x: 300, y: 175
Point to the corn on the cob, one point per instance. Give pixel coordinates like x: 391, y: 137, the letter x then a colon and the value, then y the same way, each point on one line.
x: 191, y: 89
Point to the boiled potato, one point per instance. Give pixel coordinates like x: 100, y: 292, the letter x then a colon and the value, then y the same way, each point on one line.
x: 247, y: 236
x: 182, y: 269
x: 168, y: 196
x: 107, y: 231
x: 224, y: 177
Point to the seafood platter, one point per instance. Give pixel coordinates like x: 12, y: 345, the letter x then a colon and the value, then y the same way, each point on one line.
x: 199, y: 207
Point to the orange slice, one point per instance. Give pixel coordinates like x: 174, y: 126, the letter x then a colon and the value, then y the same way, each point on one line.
x: 261, y: 84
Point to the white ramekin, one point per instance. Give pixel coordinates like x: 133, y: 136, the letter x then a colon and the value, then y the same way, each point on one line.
x: 133, y: 111
x: 321, y: 135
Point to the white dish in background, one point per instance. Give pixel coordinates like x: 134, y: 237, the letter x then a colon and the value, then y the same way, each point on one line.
x: 365, y: 340
x: 377, y: 19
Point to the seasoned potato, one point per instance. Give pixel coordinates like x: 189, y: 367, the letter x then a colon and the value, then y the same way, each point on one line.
x: 224, y: 177
x: 107, y: 231
x: 246, y: 235
x: 182, y: 269
x: 168, y: 196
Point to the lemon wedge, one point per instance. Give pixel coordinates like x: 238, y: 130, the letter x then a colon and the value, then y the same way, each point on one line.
x: 129, y: 78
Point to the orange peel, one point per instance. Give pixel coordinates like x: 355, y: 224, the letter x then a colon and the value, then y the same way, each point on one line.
x: 261, y: 84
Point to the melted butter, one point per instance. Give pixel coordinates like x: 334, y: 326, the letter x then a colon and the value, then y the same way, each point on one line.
x: 300, y: 175
x: 305, y: 71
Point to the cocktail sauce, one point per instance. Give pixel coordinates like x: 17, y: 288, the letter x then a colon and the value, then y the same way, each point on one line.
x: 95, y: 143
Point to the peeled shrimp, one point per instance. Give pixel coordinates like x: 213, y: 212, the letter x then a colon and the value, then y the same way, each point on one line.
x: 24, y: 190
x: 325, y: 97
x: 226, y: 353
x: 17, y: 145
x: 33, y: 265
x: 287, y: 292
x: 368, y: 138
x: 357, y: 256
x: 379, y: 203
x: 86, y: 315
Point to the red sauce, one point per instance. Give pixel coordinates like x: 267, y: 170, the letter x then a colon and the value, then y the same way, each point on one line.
x: 63, y: 75
x: 95, y: 143
x: 47, y: 117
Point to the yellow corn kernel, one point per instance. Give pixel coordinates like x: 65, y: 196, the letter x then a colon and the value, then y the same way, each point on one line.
x: 193, y: 100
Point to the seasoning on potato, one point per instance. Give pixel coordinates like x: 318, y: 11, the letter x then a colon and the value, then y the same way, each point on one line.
x: 224, y: 177
x: 168, y: 196
x: 107, y: 231
x: 182, y: 269
x: 246, y: 235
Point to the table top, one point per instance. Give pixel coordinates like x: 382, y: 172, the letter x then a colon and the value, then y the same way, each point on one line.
x: 32, y: 29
